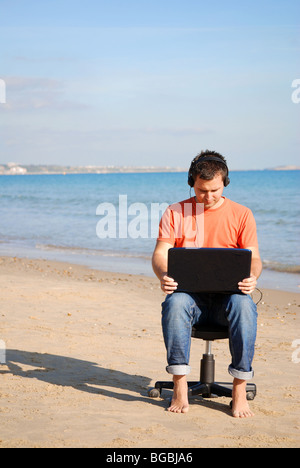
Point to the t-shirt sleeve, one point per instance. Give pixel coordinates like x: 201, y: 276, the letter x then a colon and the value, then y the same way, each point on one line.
x: 166, y: 227
x: 248, y: 232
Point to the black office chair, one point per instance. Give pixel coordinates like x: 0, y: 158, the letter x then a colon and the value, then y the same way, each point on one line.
x: 207, y: 387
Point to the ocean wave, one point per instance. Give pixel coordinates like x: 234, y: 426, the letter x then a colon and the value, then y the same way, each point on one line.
x: 71, y: 250
x: 281, y: 267
x: 93, y: 252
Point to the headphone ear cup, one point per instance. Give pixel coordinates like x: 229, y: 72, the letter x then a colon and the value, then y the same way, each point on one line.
x: 226, y: 181
x: 191, y: 180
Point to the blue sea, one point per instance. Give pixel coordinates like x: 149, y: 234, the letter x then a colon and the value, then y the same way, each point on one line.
x: 61, y: 217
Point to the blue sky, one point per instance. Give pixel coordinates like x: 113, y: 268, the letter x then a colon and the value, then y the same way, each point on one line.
x: 126, y: 82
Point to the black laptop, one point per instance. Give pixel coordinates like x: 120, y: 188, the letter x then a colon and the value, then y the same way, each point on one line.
x: 210, y: 270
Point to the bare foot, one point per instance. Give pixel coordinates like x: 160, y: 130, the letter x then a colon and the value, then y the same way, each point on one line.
x: 240, y: 406
x: 180, y: 402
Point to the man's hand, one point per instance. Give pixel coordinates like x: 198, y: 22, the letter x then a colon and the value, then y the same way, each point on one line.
x: 248, y: 285
x: 168, y: 285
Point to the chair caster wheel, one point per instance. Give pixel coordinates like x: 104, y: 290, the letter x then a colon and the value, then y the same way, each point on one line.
x: 154, y: 392
x: 250, y: 395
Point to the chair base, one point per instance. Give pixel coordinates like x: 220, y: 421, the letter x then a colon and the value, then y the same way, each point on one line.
x: 206, y: 390
x: 207, y: 387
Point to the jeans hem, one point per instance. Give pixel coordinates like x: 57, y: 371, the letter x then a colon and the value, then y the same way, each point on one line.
x: 178, y: 369
x: 240, y: 374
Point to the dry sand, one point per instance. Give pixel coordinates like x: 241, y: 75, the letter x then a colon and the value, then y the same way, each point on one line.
x: 83, y: 347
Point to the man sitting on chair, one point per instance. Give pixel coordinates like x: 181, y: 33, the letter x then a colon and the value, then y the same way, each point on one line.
x: 226, y: 224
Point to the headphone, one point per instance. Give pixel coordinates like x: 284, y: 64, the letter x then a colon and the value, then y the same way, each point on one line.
x: 197, y: 159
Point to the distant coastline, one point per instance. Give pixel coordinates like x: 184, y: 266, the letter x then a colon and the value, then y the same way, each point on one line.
x: 17, y: 169
x: 31, y: 169
x: 285, y: 168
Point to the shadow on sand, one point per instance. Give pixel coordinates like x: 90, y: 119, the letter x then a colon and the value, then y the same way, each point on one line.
x: 87, y: 376
x: 84, y: 376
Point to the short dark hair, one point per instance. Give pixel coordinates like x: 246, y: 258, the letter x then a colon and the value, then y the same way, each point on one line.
x: 207, y: 170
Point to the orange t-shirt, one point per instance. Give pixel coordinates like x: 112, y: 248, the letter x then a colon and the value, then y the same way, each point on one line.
x: 187, y: 224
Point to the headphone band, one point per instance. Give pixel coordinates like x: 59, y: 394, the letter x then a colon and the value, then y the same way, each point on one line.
x: 202, y: 159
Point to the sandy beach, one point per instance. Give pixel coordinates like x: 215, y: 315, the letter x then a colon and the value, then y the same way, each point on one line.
x: 80, y: 348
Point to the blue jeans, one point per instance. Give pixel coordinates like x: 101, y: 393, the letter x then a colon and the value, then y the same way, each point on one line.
x: 180, y: 311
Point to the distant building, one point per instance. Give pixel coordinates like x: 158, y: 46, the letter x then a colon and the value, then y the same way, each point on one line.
x: 12, y: 169
x: 17, y: 170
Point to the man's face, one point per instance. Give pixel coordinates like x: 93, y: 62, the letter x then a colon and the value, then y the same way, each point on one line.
x: 209, y: 192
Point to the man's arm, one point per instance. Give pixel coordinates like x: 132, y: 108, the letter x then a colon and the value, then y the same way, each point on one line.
x: 248, y: 285
x: 160, y: 267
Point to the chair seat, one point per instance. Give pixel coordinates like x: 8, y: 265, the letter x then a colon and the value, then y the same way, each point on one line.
x: 210, y: 332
